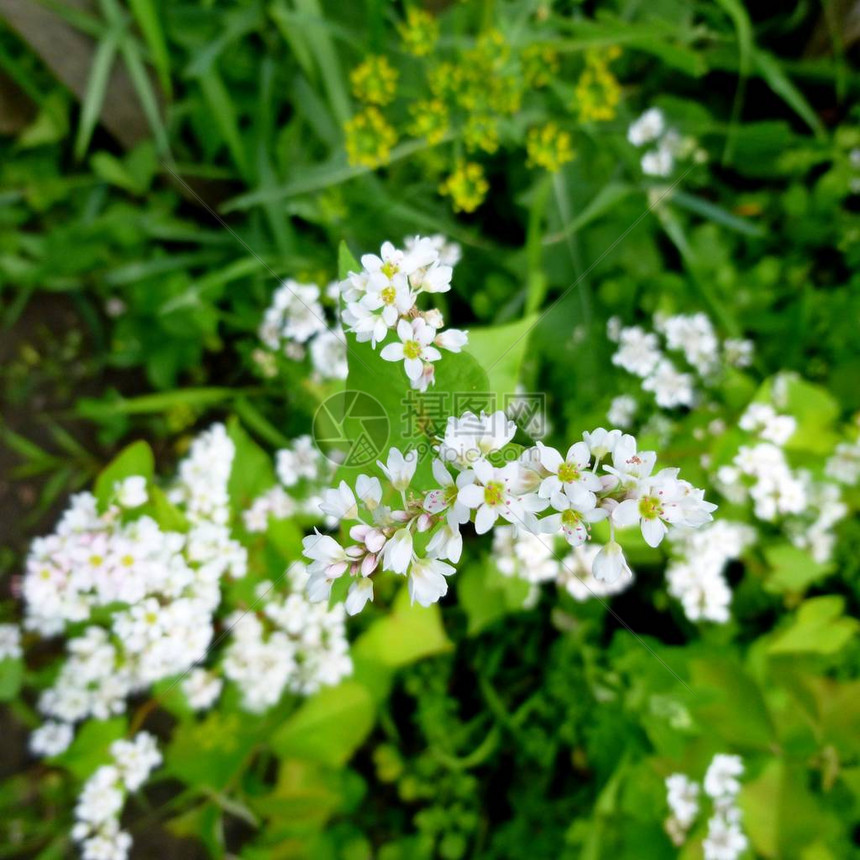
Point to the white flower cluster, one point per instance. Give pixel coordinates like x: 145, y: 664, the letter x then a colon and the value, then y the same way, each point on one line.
x: 696, y: 575
x: 641, y: 353
x: 669, y: 145
x: 104, y: 794
x: 521, y: 554
x: 569, y: 490
x: 10, y: 642
x: 382, y: 297
x: 289, y: 644
x: 844, y: 464
x: 162, y: 588
x: 301, y: 469
x: 725, y: 840
x: 295, y: 324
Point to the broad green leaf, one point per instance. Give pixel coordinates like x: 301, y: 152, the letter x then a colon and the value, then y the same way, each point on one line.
x: 252, y: 472
x: 792, y: 569
x: 818, y: 627
x: 134, y: 460
x: 11, y: 676
x: 91, y: 747
x: 500, y: 351
x: 329, y: 726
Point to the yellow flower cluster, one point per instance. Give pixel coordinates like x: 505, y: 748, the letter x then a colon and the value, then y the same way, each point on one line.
x: 481, y: 131
x: 597, y: 90
x: 369, y: 139
x: 466, y: 186
x: 419, y: 32
x: 541, y: 64
x: 429, y: 120
x: 549, y: 147
x: 374, y: 81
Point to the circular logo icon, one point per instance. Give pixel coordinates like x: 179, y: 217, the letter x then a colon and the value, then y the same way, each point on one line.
x: 351, y: 428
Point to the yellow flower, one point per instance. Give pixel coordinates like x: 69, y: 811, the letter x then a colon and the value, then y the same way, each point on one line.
x: 549, y: 147
x: 597, y: 91
x: 466, y: 186
x: 481, y: 131
x: 429, y: 120
x: 419, y: 32
x: 374, y: 81
x: 540, y: 65
x: 369, y: 138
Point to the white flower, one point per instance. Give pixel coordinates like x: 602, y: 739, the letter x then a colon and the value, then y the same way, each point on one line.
x: 683, y: 798
x: 339, y: 502
x: 569, y: 475
x: 388, y: 301
x: 725, y: 840
x: 573, y: 519
x: 494, y: 495
x: 447, y: 541
x: 398, y: 551
x: 414, y: 348
x: 427, y: 583
x: 721, y: 778
x: 369, y: 491
x: 647, y: 127
x: 621, y: 410
x: 328, y: 354
x: 671, y: 388
x: 51, y: 738
x: 657, y: 162
x: 328, y: 558
x: 399, y: 468
x: 452, y: 339
x: 136, y: 759
x: 10, y: 642
x: 628, y: 465
x: 638, y: 351
x: 471, y: 437
x: 131, y: 492
x: 609, y: 564
x: 656, y: 503
x: 201, y: 688
x: 359, y: 593
x: 601, y: 442
x: 445, y: 498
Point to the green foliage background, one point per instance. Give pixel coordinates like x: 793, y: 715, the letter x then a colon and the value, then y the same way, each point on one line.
x: 193, y: 155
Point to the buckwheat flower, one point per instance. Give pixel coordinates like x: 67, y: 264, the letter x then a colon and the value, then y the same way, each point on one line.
x: 621, y: 411
x: 493, y: 495
x: 638, y: 351
x: 131, y: 492
x: 390, y: 298
x: 844, y: 464
x: 369, y: 491
x: 102, y: 797
x: 452, y: 339
x: 447, y: 541
x: 328, y: 354
x: 721, y: 778
x: 339, y: 503
x: 445, y: 497
x: 10, y: 642
x: 136, y: 759
x: 414, y: 348
x: 573, y: 518
x: 111, y: 844
x: 427, y: 583
x: 359, y: 593
x: 683, y: 798
x: 201, y: 688
x: 569, y: 475
x: 670, y: 386
x: 397, y: 553
x: 657, y: 502
x: 657, y: 162
x: 601, y: 442
x: 329, y: 560
x: 450, y: 253
x: 738, y: 352
x: 399, y: 468
x: 51, y: 738
x: 628, y: 466
x: 725, y: 840
x: 609, y: 564
x: 471, y: 437
x: 647, y: 127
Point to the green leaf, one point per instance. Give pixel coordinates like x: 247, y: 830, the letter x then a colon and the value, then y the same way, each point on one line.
x: 609, y: 196
x: 91, y: 746
x: 96, y: 88
x: 329, y: 726
x: 408, y: 634
x: 500, y: 351
x: 793, y: 570
x: 148, y: 18
x: 818, y: 627
x: 252, y: 472
x: 11, y: 677
x: 136, y: 459
x: 768, y: 66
